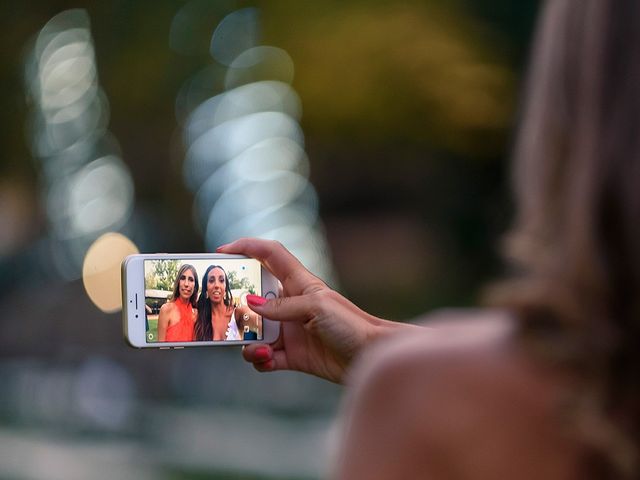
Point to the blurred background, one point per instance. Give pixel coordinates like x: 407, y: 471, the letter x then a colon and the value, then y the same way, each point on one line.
x: 370, y: 137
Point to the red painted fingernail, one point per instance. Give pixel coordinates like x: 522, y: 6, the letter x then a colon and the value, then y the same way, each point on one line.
x: 262, y: 354
x: 256, y: 300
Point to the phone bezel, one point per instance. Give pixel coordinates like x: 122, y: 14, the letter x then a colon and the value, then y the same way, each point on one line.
x: 133, y: 301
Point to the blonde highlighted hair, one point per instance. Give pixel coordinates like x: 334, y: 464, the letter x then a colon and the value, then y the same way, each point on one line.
x: 574, y: 249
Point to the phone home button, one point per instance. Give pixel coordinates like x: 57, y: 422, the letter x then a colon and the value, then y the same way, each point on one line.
x: 269, y: 295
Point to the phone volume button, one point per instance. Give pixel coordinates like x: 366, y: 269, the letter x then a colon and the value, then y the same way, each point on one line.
x: 178, y: 348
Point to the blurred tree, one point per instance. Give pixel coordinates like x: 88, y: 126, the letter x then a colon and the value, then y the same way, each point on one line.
x: 428, y: 73
x: 163, y: 275
x: 240, y: 283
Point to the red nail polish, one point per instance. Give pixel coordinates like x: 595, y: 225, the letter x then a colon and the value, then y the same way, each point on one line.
x: 262, y: 354
x: 256, y: 300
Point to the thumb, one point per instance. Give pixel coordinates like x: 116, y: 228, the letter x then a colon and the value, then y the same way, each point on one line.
x: 283, y: 309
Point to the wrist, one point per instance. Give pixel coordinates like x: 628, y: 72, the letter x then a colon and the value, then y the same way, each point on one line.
x: 384, y: 328
x: 376, y: 329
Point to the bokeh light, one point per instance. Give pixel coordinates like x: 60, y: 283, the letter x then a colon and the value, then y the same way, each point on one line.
x: 227, y: 141
x: 237, y: 32
x: 87, y: 188
x: 101, y: 270
x: 245, y: 158
x: 260, y: 63
x: 264, y: 96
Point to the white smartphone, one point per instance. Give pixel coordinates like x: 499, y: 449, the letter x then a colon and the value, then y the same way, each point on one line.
x: 180, y: 300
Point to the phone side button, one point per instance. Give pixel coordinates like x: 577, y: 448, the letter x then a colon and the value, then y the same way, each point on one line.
x: 178, y: 348
x: 165, y: 348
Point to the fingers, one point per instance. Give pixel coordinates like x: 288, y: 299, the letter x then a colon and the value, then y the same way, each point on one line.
x: 295, y: 278
x: 304, y: 307
x: 285, y: 309
x: 264, y: 358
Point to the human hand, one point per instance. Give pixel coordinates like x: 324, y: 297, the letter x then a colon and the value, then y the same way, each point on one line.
x: 321, y: 331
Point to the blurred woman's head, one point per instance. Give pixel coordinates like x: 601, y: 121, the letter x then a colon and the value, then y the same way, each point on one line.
x: 575, y: 244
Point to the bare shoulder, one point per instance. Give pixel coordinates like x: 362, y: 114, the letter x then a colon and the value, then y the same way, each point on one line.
x: 465, y: 344
x: 167, y: 308
x: 465, y: 396
x: 448, y: 339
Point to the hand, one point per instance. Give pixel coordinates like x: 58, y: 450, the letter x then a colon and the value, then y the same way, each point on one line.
x: 321, y: 331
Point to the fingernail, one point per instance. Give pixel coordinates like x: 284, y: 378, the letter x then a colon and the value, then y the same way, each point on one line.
x: 222, y: 247
x: 256, y: 300
x: 262, y: 354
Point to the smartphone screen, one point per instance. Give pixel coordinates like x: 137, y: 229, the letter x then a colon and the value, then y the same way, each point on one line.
x: 193, y: 300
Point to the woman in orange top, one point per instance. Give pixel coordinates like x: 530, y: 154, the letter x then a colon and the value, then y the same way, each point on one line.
x: 177, y: 317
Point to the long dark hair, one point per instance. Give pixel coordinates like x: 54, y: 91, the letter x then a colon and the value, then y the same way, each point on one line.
x: 203, y: 328
x: 575, y: 245
x: 176, y: 284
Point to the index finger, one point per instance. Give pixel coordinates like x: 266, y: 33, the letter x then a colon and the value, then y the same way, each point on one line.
x: 295, y: 278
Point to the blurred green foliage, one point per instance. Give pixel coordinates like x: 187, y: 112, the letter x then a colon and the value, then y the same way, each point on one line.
x: 236, y: 283
x: 163, y: 275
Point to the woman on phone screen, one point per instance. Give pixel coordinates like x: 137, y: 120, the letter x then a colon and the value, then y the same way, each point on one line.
x: 177, y: 317
x: 216, y: 319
